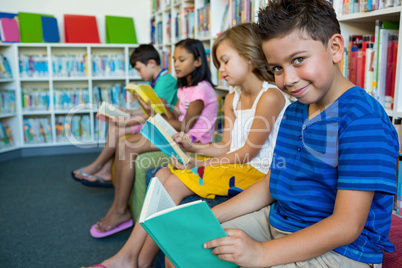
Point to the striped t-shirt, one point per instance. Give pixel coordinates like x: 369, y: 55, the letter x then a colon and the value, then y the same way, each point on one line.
x: 352, y: 145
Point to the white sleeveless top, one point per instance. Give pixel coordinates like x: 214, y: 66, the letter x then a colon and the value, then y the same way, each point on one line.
x: 242, y: 125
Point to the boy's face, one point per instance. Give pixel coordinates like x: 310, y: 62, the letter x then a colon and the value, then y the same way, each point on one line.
x: 303, y: 67
x: 145, y: 71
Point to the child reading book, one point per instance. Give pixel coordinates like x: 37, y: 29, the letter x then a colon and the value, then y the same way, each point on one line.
x: 195, y: 115
x: 243, y: 156
x: 145, y: 59
x: 331, y: 204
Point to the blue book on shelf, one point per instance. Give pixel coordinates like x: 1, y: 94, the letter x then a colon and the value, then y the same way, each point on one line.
x: 50, y: 30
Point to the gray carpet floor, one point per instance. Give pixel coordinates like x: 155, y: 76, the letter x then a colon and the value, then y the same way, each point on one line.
x: 45, y: 215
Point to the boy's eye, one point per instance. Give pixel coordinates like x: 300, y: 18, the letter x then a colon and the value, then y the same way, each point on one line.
x: 276, y: 69
x: 298, y: 60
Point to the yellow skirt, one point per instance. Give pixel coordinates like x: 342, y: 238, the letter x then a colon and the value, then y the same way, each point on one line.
x: 223, y: 180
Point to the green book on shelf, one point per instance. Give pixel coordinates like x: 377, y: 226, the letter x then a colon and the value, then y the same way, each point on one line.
x: 31, y: 27
x: 181, y: 231
x: 120, y: 30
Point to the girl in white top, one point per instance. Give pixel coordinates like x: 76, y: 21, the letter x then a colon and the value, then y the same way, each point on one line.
x: 252, y: 116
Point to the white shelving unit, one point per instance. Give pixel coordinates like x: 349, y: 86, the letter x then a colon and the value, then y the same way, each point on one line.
x: 220, y: 18
x: 53, y: 81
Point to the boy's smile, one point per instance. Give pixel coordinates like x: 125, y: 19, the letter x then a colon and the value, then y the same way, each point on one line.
x: 305, y: 68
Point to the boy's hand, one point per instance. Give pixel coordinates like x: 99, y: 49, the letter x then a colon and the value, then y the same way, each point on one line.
x: 146, y: 105
x: 237, y: 247
x: 183, y: 141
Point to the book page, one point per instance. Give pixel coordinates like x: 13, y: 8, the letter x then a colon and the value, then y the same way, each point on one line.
x: 111, y: 111
x: 157, y: 199
x: 165, y: 125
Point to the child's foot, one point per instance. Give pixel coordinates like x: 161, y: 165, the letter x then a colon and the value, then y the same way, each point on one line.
x: 92, y: 174
x: 113, y: 222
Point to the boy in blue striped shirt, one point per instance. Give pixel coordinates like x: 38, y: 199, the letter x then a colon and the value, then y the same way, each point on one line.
x: 328, y: 199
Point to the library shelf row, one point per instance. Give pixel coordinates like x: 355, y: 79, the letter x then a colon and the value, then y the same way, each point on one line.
x: 40, y: 103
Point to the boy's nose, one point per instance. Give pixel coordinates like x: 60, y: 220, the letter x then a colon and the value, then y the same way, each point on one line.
x: 290, y: 77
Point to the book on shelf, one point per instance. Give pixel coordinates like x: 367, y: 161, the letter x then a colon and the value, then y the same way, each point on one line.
x: 146, y: 93
x: 109, y: 111
x: 6, y: 137
x: 120, y: 30
x: 50, y: 30
x: 158, y: 131
x: 180, y: 231
x: 385, y: 98
x: 80, y: 29
x: 9, y: 30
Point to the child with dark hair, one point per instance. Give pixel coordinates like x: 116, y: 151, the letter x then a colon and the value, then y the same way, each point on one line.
x: 195, y: 114
x: 145, y: 59
x: 330, y: 203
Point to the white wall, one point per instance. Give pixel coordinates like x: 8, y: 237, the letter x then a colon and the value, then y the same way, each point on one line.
x: 140, y: 10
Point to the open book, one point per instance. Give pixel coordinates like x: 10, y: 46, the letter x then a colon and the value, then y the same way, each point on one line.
x: 146, y: 93
x: 181, y: 231
x: 108, y: 110
x: 158, y: 131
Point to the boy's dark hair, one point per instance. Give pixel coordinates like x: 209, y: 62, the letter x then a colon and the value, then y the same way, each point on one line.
x: 202, y: 72
x: 317, y: 18
x: 143, y: 54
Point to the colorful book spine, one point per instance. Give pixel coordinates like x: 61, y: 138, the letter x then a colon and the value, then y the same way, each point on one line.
x: 35, y: 99
x: 5, y: 69
x: 33, y: 66
x: 70, y: 65
x: 7, y: 101
x: 37, y: 130
x: 6, y: 137
x: 108, y: 65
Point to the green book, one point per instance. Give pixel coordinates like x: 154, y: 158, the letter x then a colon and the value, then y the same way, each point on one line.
x: 181, y: 231
x: 31, y: 27
x: 120, y: 30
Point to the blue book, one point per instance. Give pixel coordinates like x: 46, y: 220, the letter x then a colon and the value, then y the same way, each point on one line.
x: 181, y: 231
x: 158, y: 131
x: 50, y: 30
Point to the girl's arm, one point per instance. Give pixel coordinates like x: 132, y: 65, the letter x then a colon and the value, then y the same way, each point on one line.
x: 267, y: 111
x: 212, y: 149
x: 341, y: 228
x: 193, y: 113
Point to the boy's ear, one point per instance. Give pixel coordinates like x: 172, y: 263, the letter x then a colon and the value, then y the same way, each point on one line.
x: 336, y: 46
x: 152, y: 63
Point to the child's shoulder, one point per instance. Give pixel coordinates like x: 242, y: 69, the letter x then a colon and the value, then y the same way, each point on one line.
x: 356, y: 103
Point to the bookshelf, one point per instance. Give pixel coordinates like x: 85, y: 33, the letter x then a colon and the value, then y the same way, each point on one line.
x: 364, y: 23
x: 58, y: 88
x: 200, y: 19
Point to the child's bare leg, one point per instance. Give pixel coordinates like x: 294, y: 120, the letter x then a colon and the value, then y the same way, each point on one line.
x: 114, y: 133
x: 127, y: 256
x: 106, y: 171
x: 178, y: 191
x: 125, y: 169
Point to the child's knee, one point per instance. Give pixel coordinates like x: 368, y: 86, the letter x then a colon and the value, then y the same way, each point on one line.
x: 163, y: 174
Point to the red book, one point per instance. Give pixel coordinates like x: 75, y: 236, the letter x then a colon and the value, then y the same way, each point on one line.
x: 354, y: 40
x: 353, y: 65
x: 80, y: 29
x: 391, y: 58
x: 360, y: 67
x: 394, y: 75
